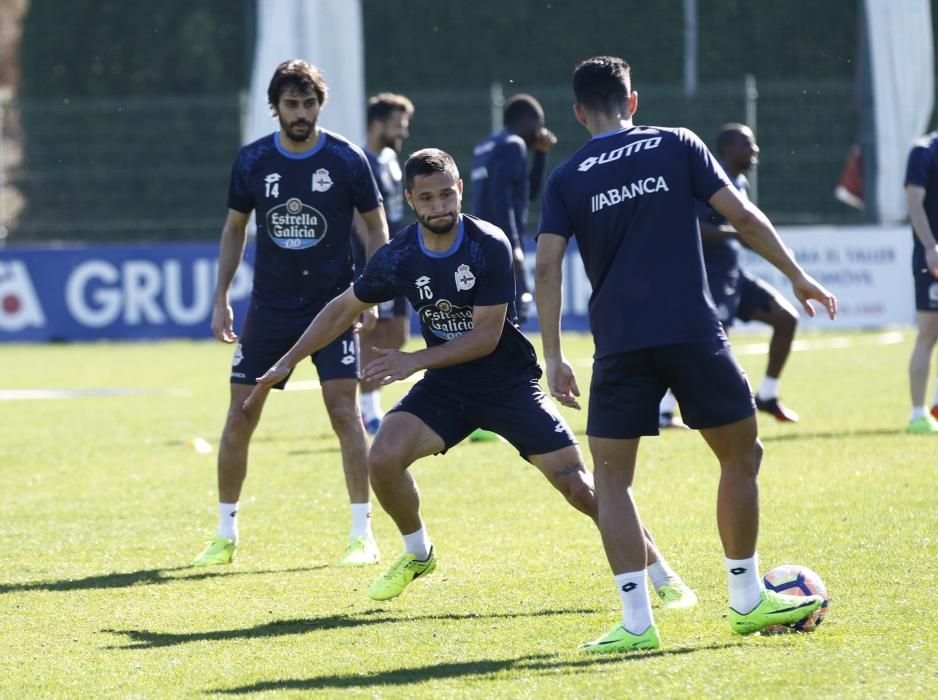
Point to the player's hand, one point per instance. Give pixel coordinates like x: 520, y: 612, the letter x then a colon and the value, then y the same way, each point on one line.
x: 545, y: 139
x: 561, y: 382
x: 223, y: 322
x: 390, y: 366
x: 931, y: 260
x: 367, y: 320
x: 806, y: 288
x: 265, y: 382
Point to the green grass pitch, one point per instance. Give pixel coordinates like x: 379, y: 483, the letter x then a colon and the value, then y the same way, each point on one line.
x: 102, y: 507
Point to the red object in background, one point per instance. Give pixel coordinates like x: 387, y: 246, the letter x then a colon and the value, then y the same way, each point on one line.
x: 850, y: 188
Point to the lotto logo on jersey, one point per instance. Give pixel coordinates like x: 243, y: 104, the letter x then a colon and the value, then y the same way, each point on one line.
x: 294, y: 225
x: 19, y: 305
x: 621, y: 152
x: 445, y: 320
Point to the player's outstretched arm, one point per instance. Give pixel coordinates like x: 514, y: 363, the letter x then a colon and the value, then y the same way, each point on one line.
x: 231, y: 250
x: 757, y: 233
x: 394, y: 365
x: 338, y: 315
x: 548, y: 291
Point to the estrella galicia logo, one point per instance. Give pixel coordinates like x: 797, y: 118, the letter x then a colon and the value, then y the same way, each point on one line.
x: 445, y: 320
x: 294, y: 225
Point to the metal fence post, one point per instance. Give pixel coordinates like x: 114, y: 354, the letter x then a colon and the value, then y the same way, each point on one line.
x: 751, y: 95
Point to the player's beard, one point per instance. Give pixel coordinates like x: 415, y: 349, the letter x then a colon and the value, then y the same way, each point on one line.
x: 301, y: 134
x: 440, y: 225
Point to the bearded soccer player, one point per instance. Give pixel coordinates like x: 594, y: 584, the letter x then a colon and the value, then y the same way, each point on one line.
x: 304, y: 183
x: 481, y: 371
x: 628, y: 196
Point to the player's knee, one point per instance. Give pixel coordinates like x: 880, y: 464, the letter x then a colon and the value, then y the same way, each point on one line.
x: 384, y: 463
x: 239, y: 424
x: 746, y: 462
x: 581, y: 494
x: 344, y: 417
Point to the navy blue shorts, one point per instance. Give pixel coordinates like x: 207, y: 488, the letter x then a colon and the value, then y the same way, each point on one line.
x: 737, y: 294
x: 521, y: 413
x: 395, y: 308
x: 626, y: 389
x: 266, y: 336
x: 926, y: 291
x: 754, y: 295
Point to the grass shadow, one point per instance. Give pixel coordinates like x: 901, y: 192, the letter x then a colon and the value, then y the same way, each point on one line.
x: 144, y: 577
x: 466, y: 670
x: 830, y: 435
x: 145, y: 639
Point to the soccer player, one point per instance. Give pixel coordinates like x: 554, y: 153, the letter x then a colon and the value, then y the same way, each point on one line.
x: 303, y: 182
x: 629, y: 196
x: 503, y: 184
x: 921, y: 193
x: 388, y: 126
x: 457, y: 272
x: 736, y: 293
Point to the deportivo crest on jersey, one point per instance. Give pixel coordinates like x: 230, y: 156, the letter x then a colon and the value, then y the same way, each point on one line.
x: 294, y: 225
x: 321, y: 180
x: 464, y: 278
x: 445, y: 320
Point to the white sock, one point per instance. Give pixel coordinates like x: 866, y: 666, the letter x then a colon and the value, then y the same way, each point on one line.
x: 668, y: 403
x: 370, y: 405
x: 361, y: 521
x: 661, y: 574
x: 934, y: 398
x: 228, y: 521
x: 636, y: 608
x: 768, y: 389
x: 917, y: 412
x: 745, y: 583
x: 418, y: 544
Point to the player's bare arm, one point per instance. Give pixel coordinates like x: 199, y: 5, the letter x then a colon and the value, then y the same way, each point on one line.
x: 233, y: 240
x: 915, y: 200
x: 328, y: 325
x: 548, y: 290
x: 758, y: 233
x: 487, y: 325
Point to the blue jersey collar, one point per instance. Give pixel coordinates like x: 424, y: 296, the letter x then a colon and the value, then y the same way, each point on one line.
x: 305, y: 154
x: 460, y: 233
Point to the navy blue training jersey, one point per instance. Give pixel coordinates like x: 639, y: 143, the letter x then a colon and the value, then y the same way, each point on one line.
x: 629, y: 196
x: 500, y: 183
x: 721, y: 256
x: 303, y: 204
x: 444, y: 288
x: 390, y: 179
x: 922, y: 170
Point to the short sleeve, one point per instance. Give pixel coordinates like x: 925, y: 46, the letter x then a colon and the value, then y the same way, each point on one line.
x: 239, y: 188
x: 365, y: 193
x: 707, y: 176
x: 916, y: 171
x: 555, y: 217
x: 497, y: 279
x: 376, y: 283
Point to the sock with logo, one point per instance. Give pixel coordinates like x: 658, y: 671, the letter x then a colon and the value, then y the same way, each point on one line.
x: 636, y: 608
x: 228, y: 521
x: 418, y: 544
x: 745, y: 583
x: 361, y: 521
x: 768, y: 389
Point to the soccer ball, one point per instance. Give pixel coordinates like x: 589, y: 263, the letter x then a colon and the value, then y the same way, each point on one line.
x: 792, y: 579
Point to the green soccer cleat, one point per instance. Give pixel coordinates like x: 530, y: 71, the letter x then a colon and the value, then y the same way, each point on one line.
x: 774, y: 609
x: 923, y: 426
x: 620, y: 639
x: 480, y: 435
x: 676, y: 595
x: 219, y: 551
x: 362, y: 551
x: 393, y: 582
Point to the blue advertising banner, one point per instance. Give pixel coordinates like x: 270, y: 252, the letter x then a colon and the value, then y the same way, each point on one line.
x: 114, y: 292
